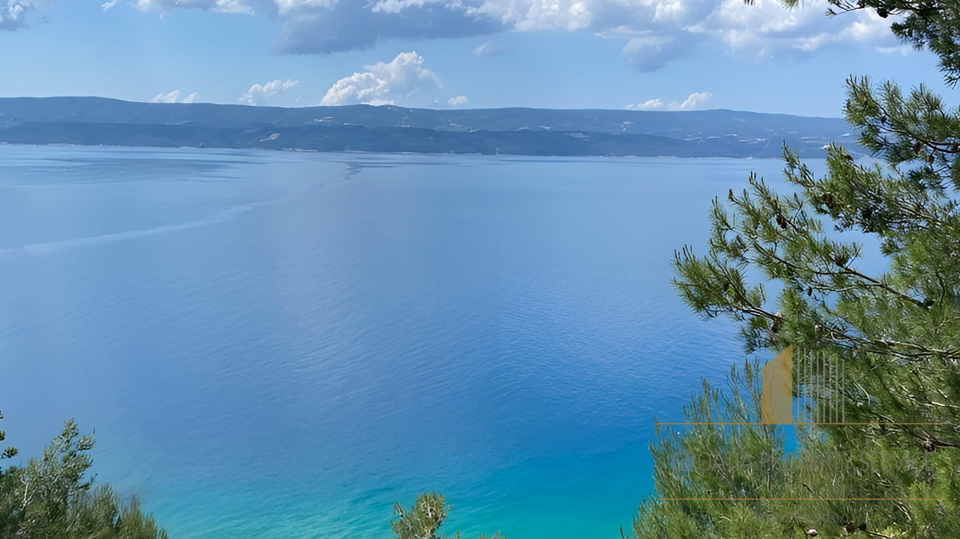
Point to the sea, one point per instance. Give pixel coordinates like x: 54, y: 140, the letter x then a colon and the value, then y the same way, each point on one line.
x: 281, y: 345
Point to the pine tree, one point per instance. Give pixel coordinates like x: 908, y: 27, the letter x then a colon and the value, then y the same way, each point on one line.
x: 424, y: 518
x: 897, y: 331
x: 52, y: 497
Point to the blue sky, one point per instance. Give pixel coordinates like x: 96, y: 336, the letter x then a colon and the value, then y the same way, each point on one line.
x: 649, y: 54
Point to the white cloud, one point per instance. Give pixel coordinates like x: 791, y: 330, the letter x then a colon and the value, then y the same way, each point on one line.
x: 174, y: 97
x: 107, y: 5
x: 695, y: 100
x: 459, y: 100
x: 287, y: 6
x: 654, y: 32
x: 259, y: 93
x: 13, y: 14
x: 396, y: 6
x: 385, y: 83
x: 692, y: 102
x: 549, y: 15
x: 766, y: 30
x: 167, y: 6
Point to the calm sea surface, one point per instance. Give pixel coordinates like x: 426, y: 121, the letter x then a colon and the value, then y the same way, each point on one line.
x: 283, y: 345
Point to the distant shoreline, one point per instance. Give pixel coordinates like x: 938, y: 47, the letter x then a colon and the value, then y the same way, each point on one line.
x: 395, y: 130
x: 358, y: 152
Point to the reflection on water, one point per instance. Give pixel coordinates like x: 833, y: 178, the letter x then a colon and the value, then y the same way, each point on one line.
x: 285, y: 344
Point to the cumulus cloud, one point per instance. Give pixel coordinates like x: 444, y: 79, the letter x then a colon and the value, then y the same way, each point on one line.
x: 13, y: 14
x: 766, y: 30
x: 692, y: 102
x: 259, y: 93
x: 167, y: 6
x: 459, y: 100
x: 174, y: 97
x: 654, y: 32
x: 106, y: 6
x: 356, y: 24
x: 288, y: 6
x: 403, y: 78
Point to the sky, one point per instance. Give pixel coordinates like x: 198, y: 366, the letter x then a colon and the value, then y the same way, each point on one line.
x: 573, y: 54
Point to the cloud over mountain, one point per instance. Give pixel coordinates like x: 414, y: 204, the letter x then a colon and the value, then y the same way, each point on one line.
x: 403, y: 78
x: 174, y: 97
x: 258, y: 94
x: 694, y: 101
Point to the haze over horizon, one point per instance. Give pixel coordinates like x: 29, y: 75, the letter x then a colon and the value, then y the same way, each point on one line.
x: 438, y: 108
x: 561, y: 54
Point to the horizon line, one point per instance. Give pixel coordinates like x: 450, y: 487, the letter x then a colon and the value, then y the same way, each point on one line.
x: 451, y: 109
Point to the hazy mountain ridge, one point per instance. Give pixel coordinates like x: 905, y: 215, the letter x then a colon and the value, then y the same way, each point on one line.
x: 517, y: 131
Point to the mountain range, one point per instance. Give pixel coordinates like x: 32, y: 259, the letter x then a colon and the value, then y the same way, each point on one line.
x: 392, y: 129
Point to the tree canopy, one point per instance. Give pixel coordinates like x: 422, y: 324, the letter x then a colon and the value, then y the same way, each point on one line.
x: 424, y: 518
x: 52, y: 497
x: 893, y: 468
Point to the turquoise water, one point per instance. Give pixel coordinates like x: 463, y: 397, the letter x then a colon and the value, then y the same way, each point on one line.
x: 279, y: 345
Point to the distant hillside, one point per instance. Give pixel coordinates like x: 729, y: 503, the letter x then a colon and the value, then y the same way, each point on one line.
x: 363, y: 128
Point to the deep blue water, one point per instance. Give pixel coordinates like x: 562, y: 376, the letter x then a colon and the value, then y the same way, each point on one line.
x: 277, y: 345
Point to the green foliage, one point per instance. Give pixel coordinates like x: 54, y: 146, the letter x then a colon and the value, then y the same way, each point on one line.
x: 724, y: 481
x: 9, y: 452
x: 424, y: 518
x: 897, y: 331
x: 52, y: 498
